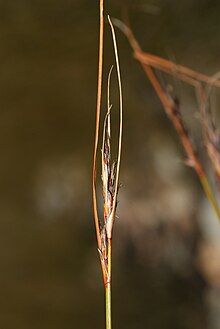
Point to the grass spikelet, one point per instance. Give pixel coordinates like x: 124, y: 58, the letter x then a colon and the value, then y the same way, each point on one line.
x: 110, y: 171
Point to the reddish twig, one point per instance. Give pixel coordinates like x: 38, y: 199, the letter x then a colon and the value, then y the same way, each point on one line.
x: 148, y: 62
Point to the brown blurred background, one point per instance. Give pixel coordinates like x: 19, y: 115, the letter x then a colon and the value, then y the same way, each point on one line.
x: 166, y: 269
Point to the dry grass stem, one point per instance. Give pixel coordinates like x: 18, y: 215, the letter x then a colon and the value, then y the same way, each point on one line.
x: 98, y: 110
x: 210, y: 133
x: 172, y: 107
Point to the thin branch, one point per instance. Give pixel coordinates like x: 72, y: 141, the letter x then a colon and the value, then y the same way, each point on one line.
x: 174, y: 115
x: 194, y: 78
x: 184, y: 73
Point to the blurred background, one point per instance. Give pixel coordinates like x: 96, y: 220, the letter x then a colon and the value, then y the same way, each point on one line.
x: 166, y: 268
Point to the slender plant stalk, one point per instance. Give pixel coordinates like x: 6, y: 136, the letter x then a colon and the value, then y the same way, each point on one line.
x: 191, y: 77
x: 110, y: 171
x: 108, y: 300
x: 98, y: 110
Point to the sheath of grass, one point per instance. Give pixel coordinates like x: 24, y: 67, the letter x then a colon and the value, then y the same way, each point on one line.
x: 110, y: 171
x: 171, y: 105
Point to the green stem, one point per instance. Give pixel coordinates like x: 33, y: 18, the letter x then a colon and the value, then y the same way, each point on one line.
x: 108, y: 288
x: 210, y: 195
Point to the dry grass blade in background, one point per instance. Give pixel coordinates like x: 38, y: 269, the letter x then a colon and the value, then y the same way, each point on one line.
x: 172, y: 108
x: 210, y: 133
